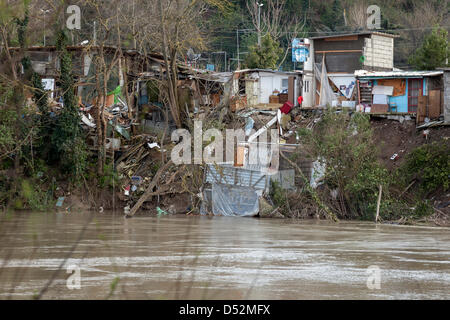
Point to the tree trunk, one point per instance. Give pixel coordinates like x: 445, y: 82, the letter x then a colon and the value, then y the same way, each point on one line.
x: 170, y: 74
x: 18, y: 99
x: 99, y: 122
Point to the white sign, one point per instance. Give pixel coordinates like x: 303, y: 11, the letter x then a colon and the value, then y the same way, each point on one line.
x: 386, y: 90
x: 49, y: 85
x: 345, y: 84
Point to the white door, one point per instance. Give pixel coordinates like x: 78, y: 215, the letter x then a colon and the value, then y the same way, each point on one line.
x: 266, y: 89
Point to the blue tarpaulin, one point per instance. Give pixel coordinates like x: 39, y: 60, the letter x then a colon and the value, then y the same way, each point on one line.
x: 230, y: 200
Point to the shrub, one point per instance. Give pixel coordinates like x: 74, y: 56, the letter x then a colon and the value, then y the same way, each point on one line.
x: 430, y: 164
x: 277, y: 194
x: 33, y: 197
x: 346, y: 145
x: 67, y: 137
x: 109, y: 177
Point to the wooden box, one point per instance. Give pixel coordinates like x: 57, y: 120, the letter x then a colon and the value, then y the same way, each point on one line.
x: 238, y: 103
x: 379, y: 108
x: 283, y: 98
x: 274, y: 99
x: 239, y: 156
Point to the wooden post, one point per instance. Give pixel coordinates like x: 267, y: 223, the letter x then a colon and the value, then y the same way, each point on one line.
x: 322, y: 79
x: 378, y: 203
x: 149, y: 190
x: 359, y: 92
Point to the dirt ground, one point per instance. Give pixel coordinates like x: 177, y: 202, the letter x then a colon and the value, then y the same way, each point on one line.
x: 401, y: 138
x: 394, y: 137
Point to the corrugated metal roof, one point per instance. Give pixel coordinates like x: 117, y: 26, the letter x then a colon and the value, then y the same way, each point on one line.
x: 356, y: 34
x: 222, y: 77
x: 397, y: 74
x: 296, y: 72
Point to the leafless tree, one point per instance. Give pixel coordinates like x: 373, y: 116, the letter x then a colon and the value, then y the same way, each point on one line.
x: 11, y: 14
x: 357, y: 15
x: 172, y: 27
x: 277, y: 22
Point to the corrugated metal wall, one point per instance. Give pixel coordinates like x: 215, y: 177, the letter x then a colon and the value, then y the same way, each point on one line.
x: 227, y: 174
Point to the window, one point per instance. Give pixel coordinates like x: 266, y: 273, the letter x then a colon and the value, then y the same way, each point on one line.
x: 284, y: 84
x: 306, y: 86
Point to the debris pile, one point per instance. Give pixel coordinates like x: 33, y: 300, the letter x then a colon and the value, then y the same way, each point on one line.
x: 137, y: 167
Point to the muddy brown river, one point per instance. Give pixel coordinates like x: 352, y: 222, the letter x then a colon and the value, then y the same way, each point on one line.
x: 98, y: 256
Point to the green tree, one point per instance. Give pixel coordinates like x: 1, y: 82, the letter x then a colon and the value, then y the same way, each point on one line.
x: 266, y: 56
x: 67, y: 137
x: 44, y: 122
x: 434, y: 51
x: 331, y: 16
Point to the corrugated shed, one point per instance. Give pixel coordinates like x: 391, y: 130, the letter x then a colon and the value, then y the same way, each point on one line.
x: 227, y: 174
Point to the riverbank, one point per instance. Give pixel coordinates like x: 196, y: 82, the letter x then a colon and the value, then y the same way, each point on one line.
x: 398, y: 155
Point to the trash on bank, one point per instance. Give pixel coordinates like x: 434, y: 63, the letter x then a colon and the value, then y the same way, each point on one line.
x: 161, y: 212
x: 136, y: 180
x: 394, y: 157
x: 249, y: 123
x: 317, y: 173
x: 153, y: 145
x: 87, y: 121
x: 122, y: 130
x: 60, y: 201
x: 112, y: 143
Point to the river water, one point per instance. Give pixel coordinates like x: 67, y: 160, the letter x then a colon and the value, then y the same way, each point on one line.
x: 98, y: 256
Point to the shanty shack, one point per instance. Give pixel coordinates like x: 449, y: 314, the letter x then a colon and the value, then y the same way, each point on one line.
x: 45, y: 61
x: 446, y: 95
x: 196, y: 89
x: 418, y: 93
x: 265, y: 88
x: 332, y: 60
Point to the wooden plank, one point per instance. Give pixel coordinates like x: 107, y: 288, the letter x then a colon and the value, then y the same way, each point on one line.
x: 345, y: 38
x: 263, y: 129
x: 339, y: 51
x: 291, y: 89
x: 434, y: 109
x: 379, y: 108
x: 239, y: 158
x: 380, y: 190
x: 421, y: 109
x: 268, y: 106
x: 149, y: 190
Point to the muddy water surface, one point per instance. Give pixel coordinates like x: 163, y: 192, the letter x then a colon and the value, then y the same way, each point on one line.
x: 218, y: 258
